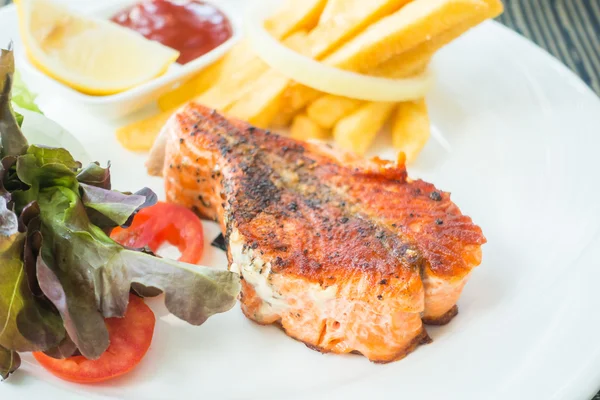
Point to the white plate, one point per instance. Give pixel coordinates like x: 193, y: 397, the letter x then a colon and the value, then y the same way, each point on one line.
x: 121, y: 104
x: 519, y: 153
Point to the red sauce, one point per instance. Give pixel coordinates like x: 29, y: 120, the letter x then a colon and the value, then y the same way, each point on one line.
x: 192, y: 27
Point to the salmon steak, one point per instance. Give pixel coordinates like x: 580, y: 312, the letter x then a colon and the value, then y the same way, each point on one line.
x: 345, y: 254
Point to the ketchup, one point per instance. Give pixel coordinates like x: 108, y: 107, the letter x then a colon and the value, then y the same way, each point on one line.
x: 192, y: 27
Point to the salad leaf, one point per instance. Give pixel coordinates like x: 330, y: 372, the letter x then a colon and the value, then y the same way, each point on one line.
x: 25, y: 325
x: 29, y: 221
x: 116, y: 206
x: 108, y: 209
x: 50, y: 155
x: 9, y: 362
x: 13, y: 140
x: 95, y: 175
x: 67, y: 348
x: 21, y: 96
x: 43, y: 131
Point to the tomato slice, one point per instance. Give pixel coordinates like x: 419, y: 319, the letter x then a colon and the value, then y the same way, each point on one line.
x: 165, y: 222
x: 130, y: 339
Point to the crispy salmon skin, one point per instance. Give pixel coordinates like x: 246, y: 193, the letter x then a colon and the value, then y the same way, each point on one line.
x: 345, y: 254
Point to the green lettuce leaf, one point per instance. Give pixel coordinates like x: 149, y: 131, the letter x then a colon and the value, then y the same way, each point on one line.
x: 38, y: 169
x: 12, y: 139
x: 9, y: 362
x: 21, y: 96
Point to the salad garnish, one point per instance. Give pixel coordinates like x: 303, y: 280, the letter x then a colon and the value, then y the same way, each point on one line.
x: 60, y: 273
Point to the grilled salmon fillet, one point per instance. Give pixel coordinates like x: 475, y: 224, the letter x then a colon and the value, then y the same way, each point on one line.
x: 345, y: 254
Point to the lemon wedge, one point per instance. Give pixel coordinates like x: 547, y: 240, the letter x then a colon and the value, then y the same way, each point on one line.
x: 93, y: 56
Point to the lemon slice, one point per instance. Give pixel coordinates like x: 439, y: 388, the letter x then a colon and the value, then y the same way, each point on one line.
x: 93, y: 56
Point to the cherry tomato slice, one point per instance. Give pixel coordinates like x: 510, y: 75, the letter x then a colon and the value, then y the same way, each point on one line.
x: 130, y: 339
x: 165, y: 222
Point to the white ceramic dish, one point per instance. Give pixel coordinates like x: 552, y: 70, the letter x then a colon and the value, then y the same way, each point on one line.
x: 516, y: 144
x: 124, y: 103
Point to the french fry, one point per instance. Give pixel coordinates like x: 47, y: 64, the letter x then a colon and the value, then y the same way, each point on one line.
x: 351, y: 17
x: 224, y: 93
x: 410, y: 128
x: 240, y: 54
x: 294, y: 16
x: 405, y: 65
x: 332, y: 8
x: 402, y: 31
x: 397, y: 67
x: 259, y: 107
x: 357, y: 131
x: 244, y: 86
x: 400, y: 66
x: 328, y: 109
x: 243, y: 82
x: 304, y: 128
x: 252, y: 106
x: 405, y: 39
x: 241, y: 62
x: 282, y: 120
x: 140, y: 135
x: 259, y: 100
x: 296, y: 96
x: 191, y: 88
x: 288, y: 22
x: 414, y: 60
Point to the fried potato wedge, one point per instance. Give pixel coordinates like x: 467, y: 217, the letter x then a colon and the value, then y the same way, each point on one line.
x: 357, y: 131
x: 410, y: 128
